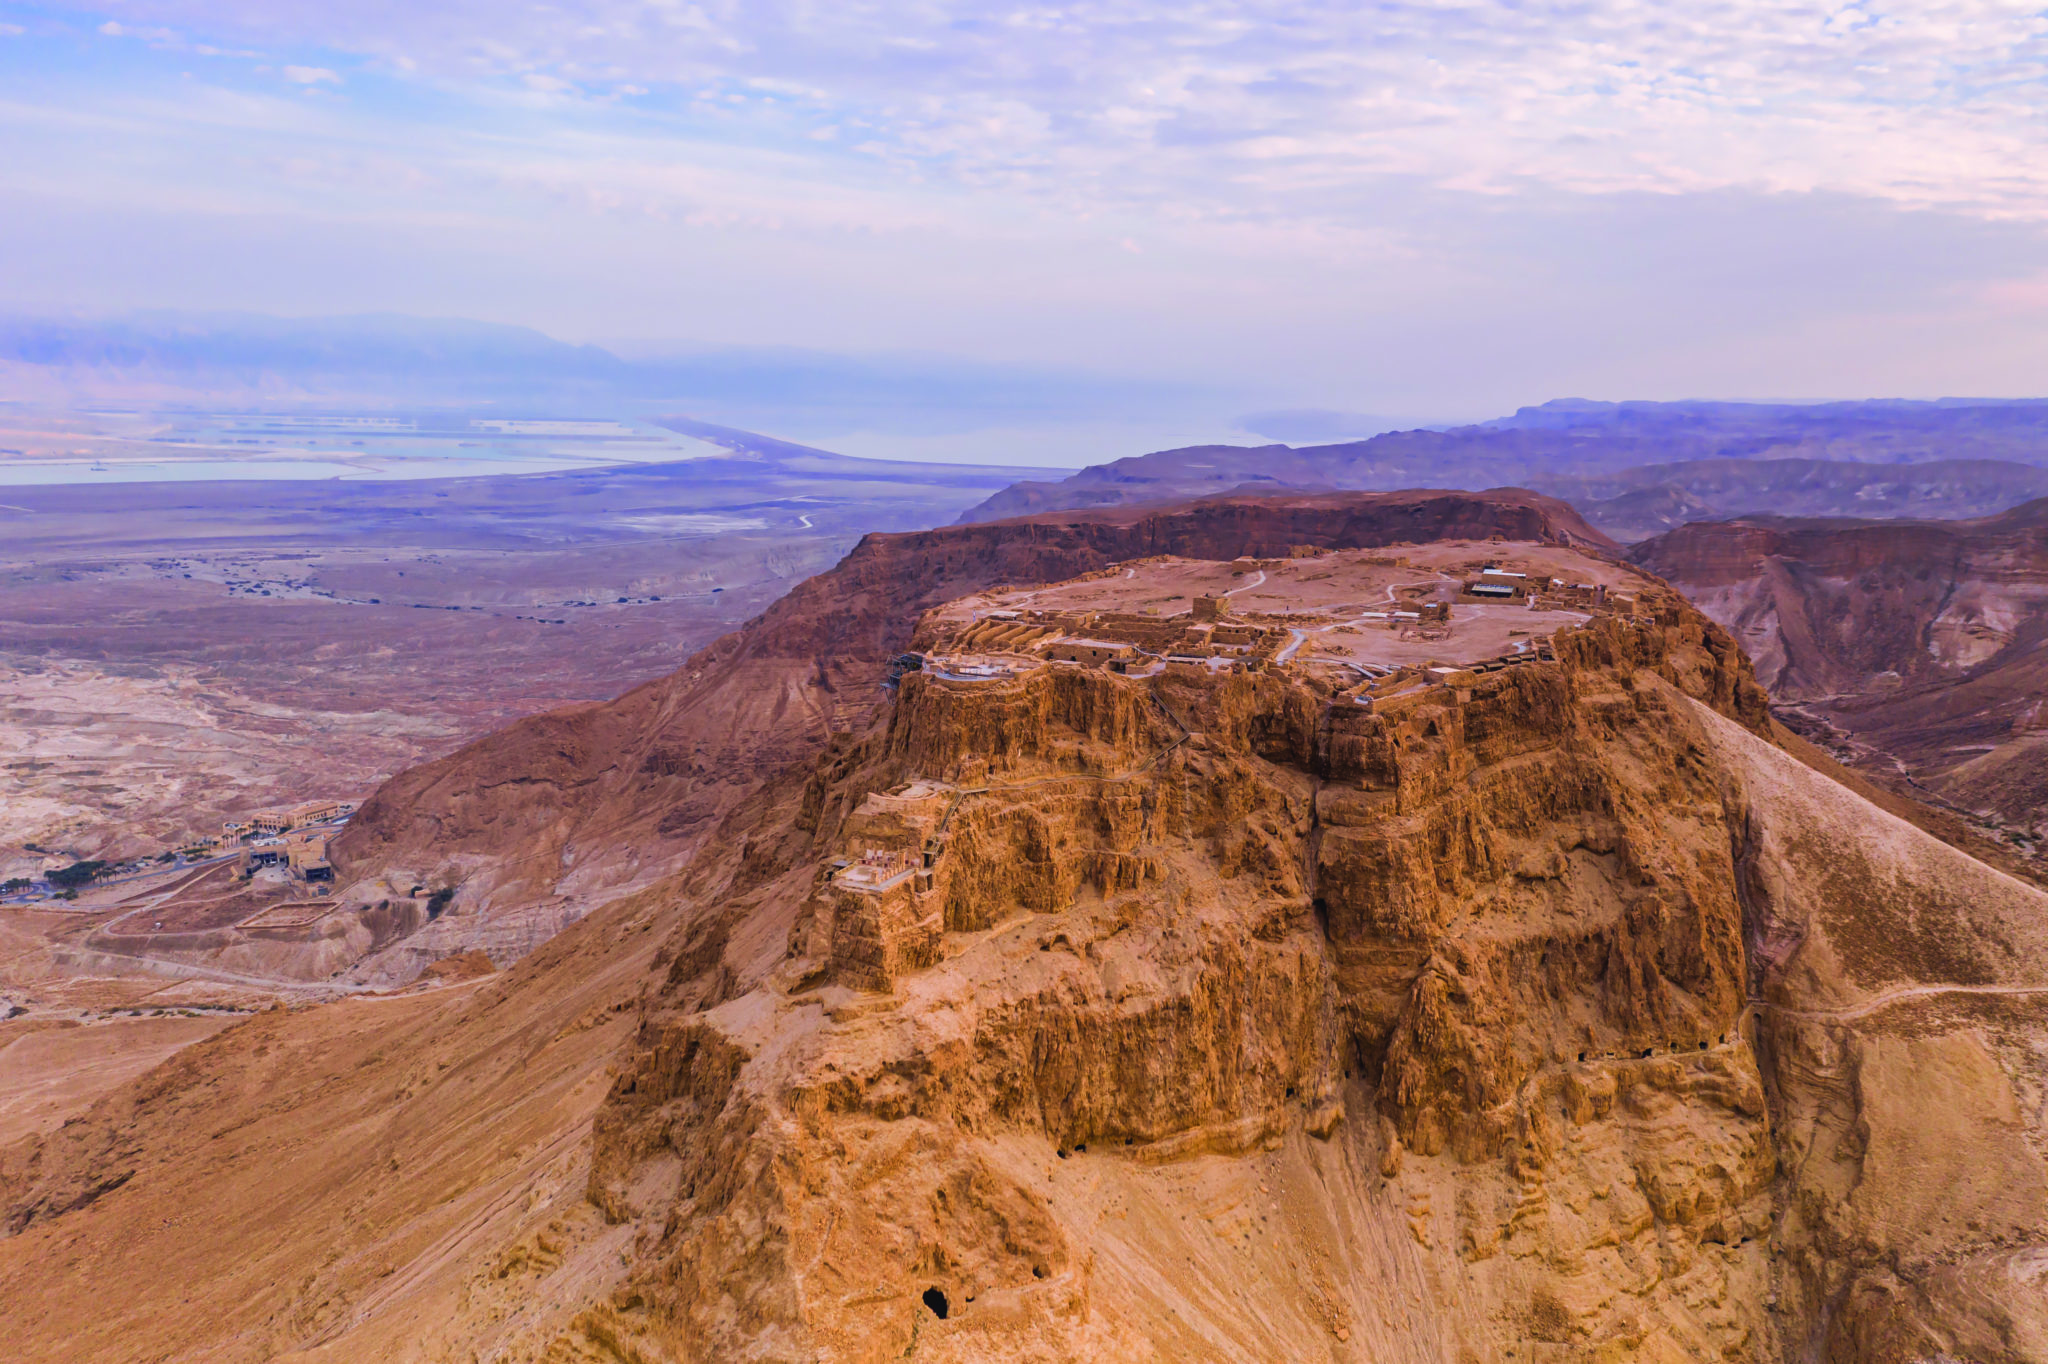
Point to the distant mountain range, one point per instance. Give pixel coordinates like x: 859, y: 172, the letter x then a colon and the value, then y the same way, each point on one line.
x: 1634, y: 469
x: 1634, y: 504
x: 389, y: 360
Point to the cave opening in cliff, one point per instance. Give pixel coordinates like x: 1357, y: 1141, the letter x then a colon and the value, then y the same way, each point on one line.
x: 935, y: 1298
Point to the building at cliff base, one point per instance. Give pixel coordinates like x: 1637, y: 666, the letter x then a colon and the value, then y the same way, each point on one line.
x: 282, y: 820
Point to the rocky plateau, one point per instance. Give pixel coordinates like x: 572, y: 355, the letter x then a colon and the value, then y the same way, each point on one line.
x: 1540, y: 1008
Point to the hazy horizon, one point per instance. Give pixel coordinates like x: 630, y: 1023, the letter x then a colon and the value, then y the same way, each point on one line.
x: 1421, y: 214
x: 889, y: 405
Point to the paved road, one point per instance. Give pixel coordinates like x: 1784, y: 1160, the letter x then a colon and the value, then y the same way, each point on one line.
x: 191, y: 971
x: 164, y: 868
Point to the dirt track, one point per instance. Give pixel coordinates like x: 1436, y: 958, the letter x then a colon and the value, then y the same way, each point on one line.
x: 1891, y: 997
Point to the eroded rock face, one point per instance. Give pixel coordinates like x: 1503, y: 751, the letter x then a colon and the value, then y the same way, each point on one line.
x: 1479, y: 958
x: 553, y: 816
x: 1545, y: 1013
x: 1900, y: 994
x: 1917, y: 643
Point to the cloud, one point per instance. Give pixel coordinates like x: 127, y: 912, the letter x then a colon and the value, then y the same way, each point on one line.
x: 166, y: 40
x: 11, y: 30
x: 1240, y: 106
x: 1396, y: 207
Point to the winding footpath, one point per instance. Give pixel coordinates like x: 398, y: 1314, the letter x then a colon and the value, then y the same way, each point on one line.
x: 1258, y: 581
x: 1891, y: 997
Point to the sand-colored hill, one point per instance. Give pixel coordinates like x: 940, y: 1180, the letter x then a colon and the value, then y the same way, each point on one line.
x: 1902, y: 1009
x: 1544, y: 1011
x: 552, y: 815
x: 1917, y: 647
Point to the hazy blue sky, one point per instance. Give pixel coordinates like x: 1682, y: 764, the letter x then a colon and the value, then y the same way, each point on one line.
x: 1427, y: 210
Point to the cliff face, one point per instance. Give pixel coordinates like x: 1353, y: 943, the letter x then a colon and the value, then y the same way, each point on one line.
x: 1900, y: 999
x: 1387, y: 1034
x: 1547, y: 1013
x: 1922, y: 644
x: 539, y: 822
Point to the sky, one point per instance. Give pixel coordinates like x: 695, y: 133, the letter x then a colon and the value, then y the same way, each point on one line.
x: 1416, y: 212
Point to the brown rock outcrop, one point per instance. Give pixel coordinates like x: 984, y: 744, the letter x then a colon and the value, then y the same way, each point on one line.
x: 1915, y: 647
x: 553, y: 815
x: 1486, y: 956
x: 1547, y: 1013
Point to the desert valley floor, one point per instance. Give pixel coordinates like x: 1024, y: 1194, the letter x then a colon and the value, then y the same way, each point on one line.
x: 1340, y: 927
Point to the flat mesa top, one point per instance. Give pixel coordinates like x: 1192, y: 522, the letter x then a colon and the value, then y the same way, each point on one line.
x: 1341, y: 611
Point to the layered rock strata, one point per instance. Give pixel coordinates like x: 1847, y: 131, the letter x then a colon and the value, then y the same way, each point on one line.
x: 1915, y: 648
x: 1470, y: 965
x: 545, y: 819
x: 1551, y: 1013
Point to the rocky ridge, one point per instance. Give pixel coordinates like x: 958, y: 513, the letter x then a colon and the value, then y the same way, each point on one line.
x: 1633, y: 470
x: 1545, y: 1013
x: 541, y: 821
x: 1916, y: 647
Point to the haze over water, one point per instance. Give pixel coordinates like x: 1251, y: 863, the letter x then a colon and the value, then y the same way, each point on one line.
x: 1145, y: 225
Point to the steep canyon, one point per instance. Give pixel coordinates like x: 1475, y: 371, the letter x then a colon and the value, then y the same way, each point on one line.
x: 1918, y: 648
x: 1546, y: 1011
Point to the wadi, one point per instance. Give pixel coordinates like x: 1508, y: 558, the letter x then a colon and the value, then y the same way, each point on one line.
x: 973, y: 683
x: 1912, y: 648
x: 1360, y: 926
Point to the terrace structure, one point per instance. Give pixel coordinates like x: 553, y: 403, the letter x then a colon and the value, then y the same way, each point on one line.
x: 878, y: 871
x: 891, y: 832
x: 1091, y: 652
x: 882, y: 912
